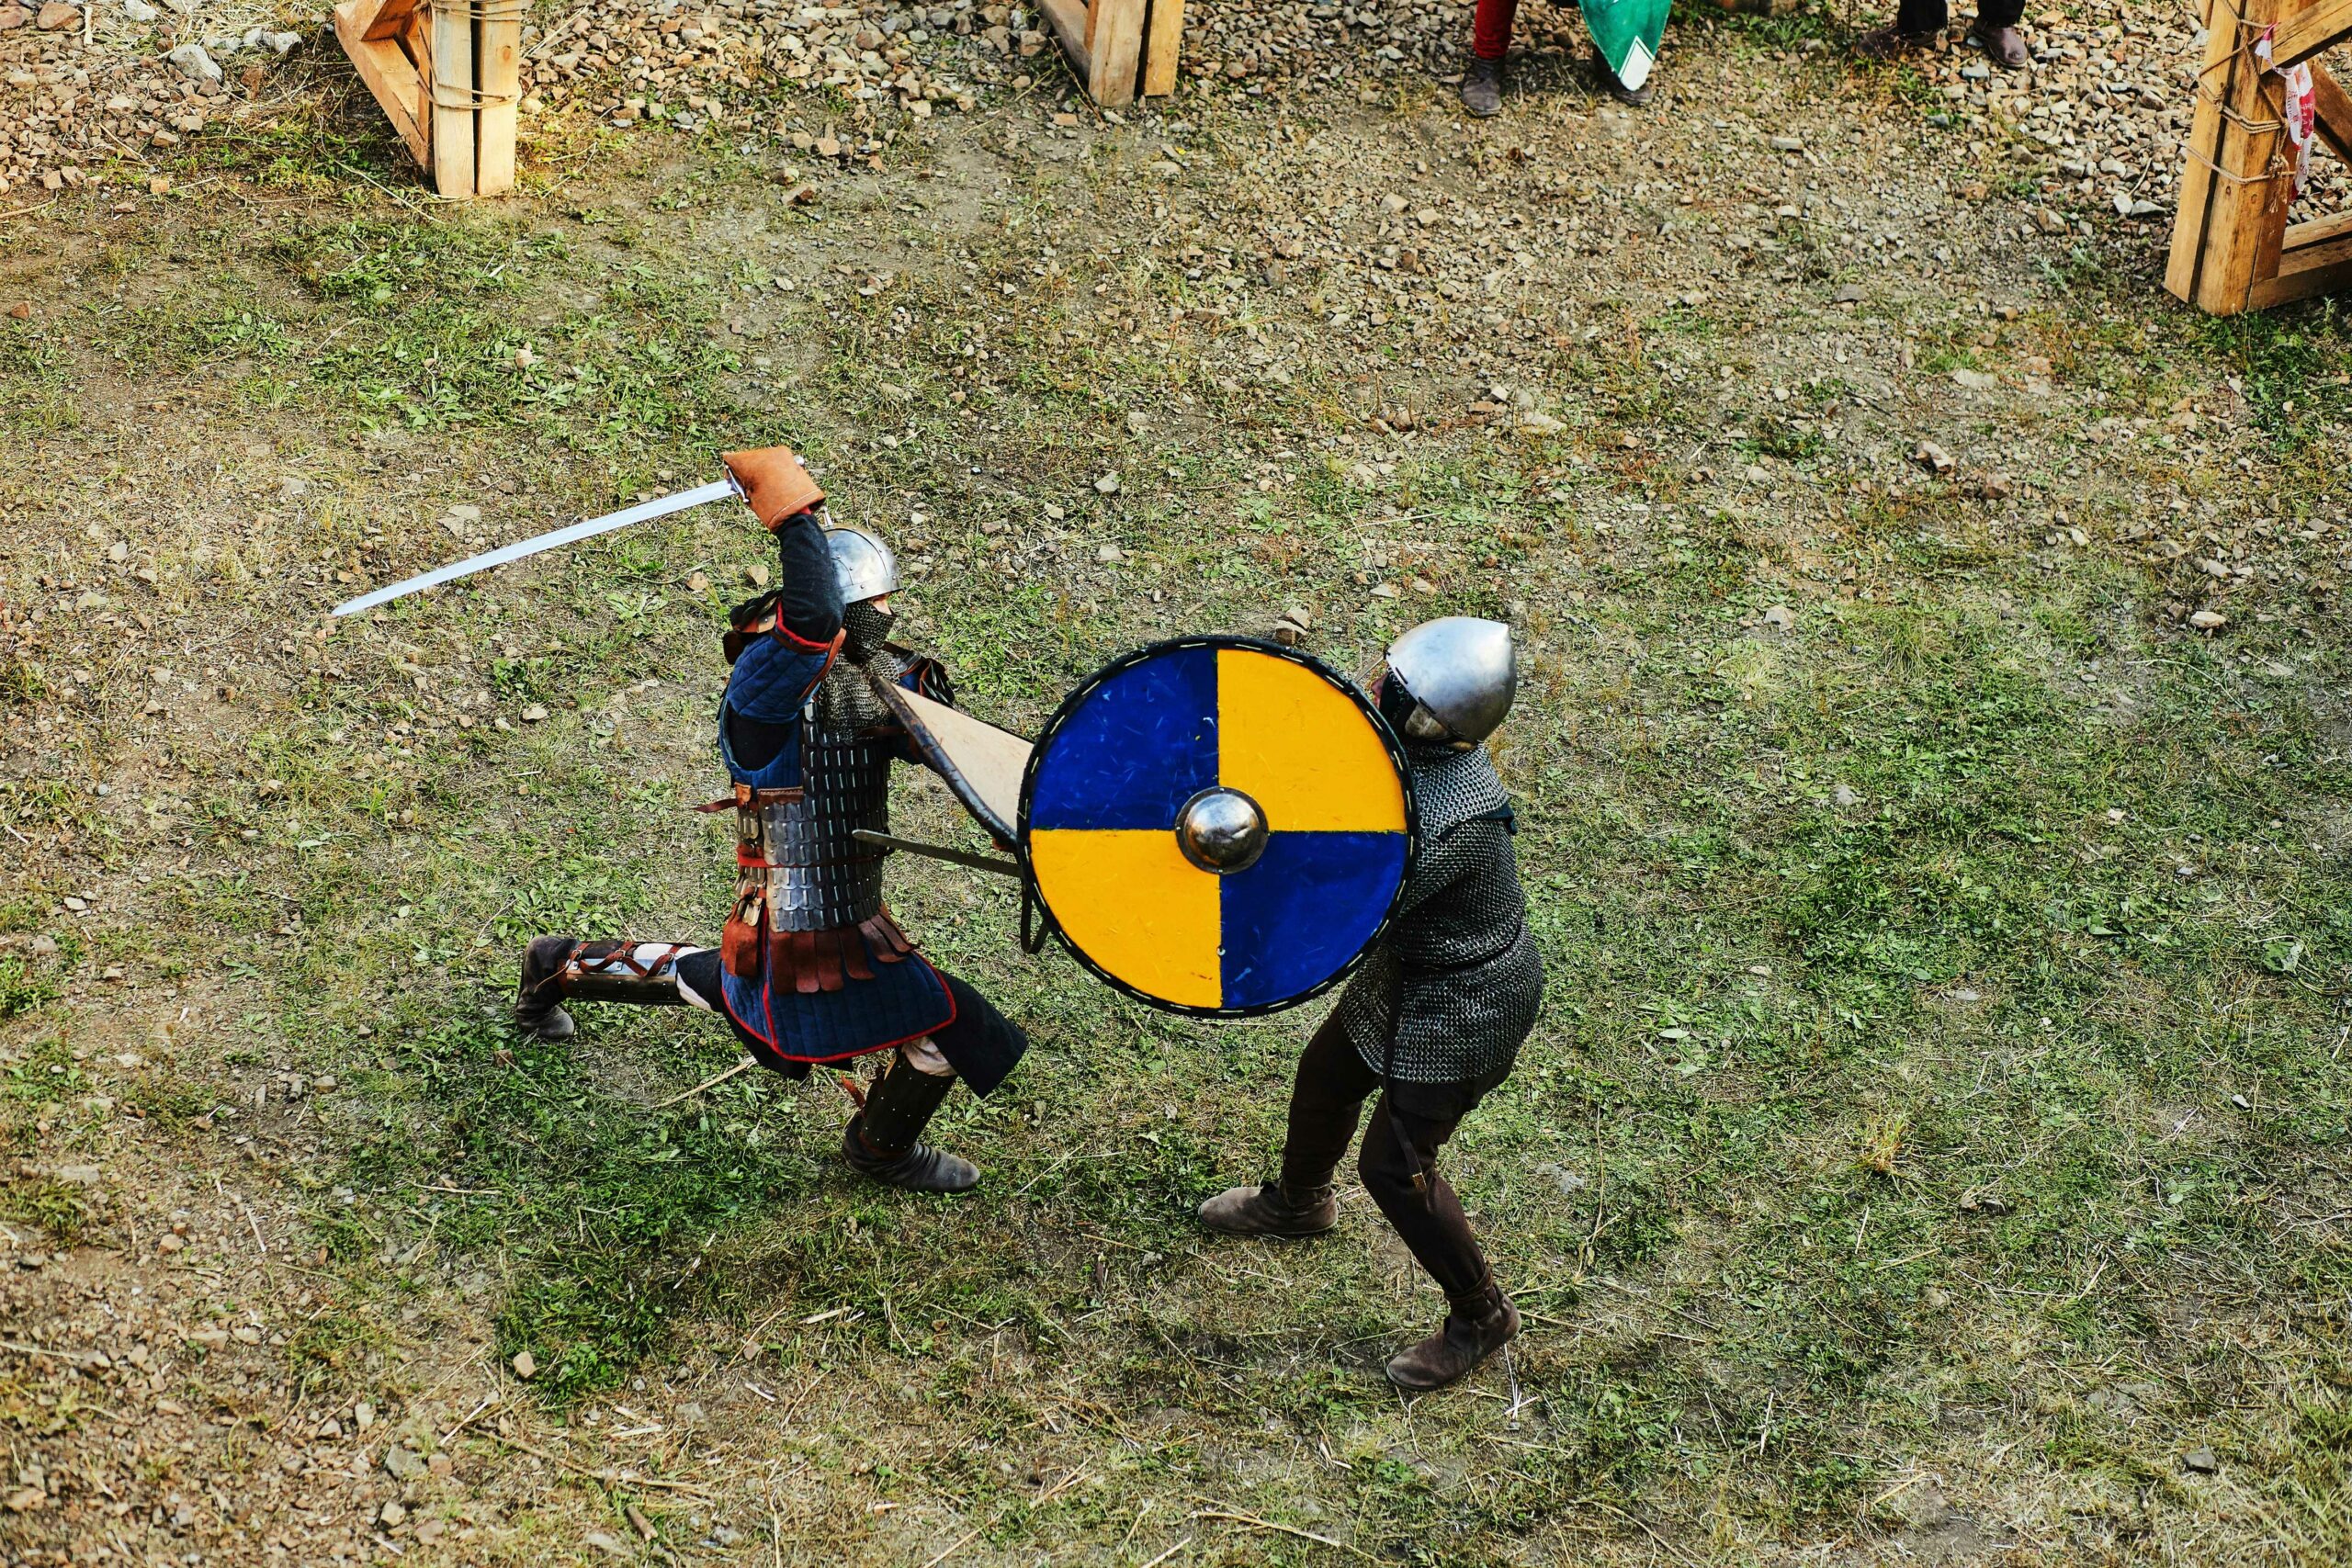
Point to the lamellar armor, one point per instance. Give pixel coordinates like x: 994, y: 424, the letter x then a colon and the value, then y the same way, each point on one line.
x: 808, y: 914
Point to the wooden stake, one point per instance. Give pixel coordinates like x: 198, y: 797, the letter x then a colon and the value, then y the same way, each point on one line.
x: 452, y: 80
x: 498, y: 58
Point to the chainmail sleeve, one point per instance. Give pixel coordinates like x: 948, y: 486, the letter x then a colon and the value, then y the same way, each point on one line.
x: 1455, y: 982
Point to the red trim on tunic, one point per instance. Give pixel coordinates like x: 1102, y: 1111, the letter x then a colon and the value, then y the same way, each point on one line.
x: 767, y: 1036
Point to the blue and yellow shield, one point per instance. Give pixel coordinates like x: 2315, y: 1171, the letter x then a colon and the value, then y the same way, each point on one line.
x: 1217, y: 826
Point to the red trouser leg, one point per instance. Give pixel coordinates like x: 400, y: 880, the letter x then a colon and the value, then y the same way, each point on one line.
x: 1490, y: 29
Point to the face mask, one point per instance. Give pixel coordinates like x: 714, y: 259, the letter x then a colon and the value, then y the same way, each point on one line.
x: 868, y: 627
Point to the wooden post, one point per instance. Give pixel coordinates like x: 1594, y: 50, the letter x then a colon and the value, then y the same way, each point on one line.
x: 447, y: 76
x: 498, y: 55
x: 2233, y: 196
x: 1120, y: 49
x: 2233, y: 248
x: 452, y: 100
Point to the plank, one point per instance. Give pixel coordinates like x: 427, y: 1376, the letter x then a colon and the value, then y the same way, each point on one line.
x: 2227, y: 230
x: 388, y: 75
x: 2320, y: 267
x: 1069, y: 18
x: 452, y: 32
x: 2335, y: 111
x: 1163, y: 42
x: 2318, y: 231
x: 498, y: 61
x: 1116, y: 50
x: 2314, y: 29
x: 391, y: 18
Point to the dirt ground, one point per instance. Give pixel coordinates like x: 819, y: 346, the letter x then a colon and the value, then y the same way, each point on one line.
x: 1932, y: 748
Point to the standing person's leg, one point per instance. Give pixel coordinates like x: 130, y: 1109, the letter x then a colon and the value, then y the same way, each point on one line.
x: 1995, y: 32
x: 1429, y: 1217
x: 1327, y: 1097
x: 1916, y: 22
x: 1482, y: 80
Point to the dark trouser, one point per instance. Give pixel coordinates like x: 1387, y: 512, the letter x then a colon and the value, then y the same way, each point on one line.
x: 1919, y: 18
x: 1324, y: 1100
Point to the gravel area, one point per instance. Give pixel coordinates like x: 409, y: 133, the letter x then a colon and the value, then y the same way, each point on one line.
x: 114, y: 90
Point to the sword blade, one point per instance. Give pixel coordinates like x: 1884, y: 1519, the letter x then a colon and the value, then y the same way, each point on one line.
x: 662, y: 507
x: 938, y: 851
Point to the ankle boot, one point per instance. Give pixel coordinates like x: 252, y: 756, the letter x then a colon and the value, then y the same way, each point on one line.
x: 884, y: 1140
x: 538, y: 996
x: 1482, y: 88
x: 1478, y: 1326
x: 1276, y: 1209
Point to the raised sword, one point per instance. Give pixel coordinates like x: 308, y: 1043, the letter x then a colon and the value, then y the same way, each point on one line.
x: 717, y: 490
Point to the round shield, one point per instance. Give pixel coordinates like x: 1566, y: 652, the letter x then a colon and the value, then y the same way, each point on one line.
x: 1217, y: 826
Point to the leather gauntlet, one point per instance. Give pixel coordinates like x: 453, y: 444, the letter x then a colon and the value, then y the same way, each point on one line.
x: 775, y: 483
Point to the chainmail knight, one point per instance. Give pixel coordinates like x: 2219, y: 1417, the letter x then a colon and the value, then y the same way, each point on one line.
x: 811, y: 967
x: 1433, y: 1022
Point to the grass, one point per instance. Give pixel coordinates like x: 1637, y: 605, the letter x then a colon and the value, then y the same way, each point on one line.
x: 1942, y: 1071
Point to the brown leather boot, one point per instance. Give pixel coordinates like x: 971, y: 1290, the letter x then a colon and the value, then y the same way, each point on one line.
x: 2005, y: 47
x: 1482, y: 88
x: 1476, y: 1327
x: 1272, y: 1210
x: 1890, y: 42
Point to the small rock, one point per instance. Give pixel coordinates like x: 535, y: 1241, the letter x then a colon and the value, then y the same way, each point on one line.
x: 525, y: 1367
x: 756, y: 575
x: 1845, y: 794
x: 2209, y: 620
x: 54, y: 17
x: 193, y: 64
x: 403, y: 1463
x: 392, y: 1514
x: 606, y: 1543
x: 363, y: 1416
x: 533, y: 714
x: 1106, y: 554
x: 12, y: 17
x: 1933, y: 458
x: 80, y: 1174
x: 1108, y: 484
x: 140, y: 11
x: 1781, y: 615
x: 1976, y: 380
x: 1787, y: 143
x: 1848, y: 293
x: 697, y: 583
x: 1999, y: 486
x: 1138, y: 422
x: 2201, y: 1460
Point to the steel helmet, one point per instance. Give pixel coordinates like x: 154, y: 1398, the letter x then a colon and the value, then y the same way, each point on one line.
x: 1460, y: 674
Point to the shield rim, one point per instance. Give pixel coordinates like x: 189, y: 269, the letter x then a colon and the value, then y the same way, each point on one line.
x: 1077, y: 696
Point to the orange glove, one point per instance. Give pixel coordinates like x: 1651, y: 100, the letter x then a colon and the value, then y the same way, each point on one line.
x: 773, y: 481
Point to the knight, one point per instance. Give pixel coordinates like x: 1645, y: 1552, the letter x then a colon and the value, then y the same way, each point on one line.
x: 1434, y: 1019
x: 811, y: 968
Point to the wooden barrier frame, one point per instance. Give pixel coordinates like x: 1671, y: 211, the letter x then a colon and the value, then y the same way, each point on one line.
x: 2232, y: 249
x: 447, y: 76
x: 1121, y: 49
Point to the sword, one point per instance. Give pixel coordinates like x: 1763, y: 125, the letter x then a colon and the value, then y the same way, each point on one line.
x: 938, y: 851
x: 702, y: 495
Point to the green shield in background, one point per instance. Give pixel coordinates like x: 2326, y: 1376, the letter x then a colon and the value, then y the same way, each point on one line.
x: 1627, y: 32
